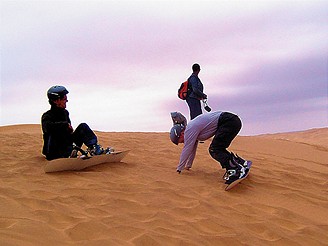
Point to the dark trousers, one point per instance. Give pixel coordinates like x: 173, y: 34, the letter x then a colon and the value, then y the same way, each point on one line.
x: 84, y: 135
x: 62, y: 146
x: 228, y: 127
x: 194, y: 107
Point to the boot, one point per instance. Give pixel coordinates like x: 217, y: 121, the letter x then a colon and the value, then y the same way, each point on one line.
x: 239, y: 160
x: 96, y: 150
x: 235, y: 169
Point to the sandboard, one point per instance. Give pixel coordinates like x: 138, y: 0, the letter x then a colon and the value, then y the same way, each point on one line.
x: 237, y: 181
x: 75, y: 164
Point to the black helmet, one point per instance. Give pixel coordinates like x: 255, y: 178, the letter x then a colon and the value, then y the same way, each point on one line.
x: 56, y: 92
x: 175, y: 133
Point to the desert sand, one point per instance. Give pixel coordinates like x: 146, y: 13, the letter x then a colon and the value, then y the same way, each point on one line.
x: 143, y: 201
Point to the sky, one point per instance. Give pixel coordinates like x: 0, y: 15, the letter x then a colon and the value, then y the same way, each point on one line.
x: 123, y: 61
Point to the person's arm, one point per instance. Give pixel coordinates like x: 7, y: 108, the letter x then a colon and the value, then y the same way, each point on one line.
x: 187, y: 156
x: 189, y: 149
x: 52, y: 127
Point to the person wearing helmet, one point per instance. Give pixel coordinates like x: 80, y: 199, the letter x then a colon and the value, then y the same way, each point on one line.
x: 222, y: 126
x: 58, y: 133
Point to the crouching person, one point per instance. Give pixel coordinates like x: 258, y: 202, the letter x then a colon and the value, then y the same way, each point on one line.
x: 223, y: 127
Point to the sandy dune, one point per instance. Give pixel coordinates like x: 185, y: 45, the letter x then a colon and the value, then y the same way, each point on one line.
x: 143, y: 201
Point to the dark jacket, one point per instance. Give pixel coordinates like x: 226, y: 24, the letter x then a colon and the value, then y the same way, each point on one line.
x: 196, y: 87
x: 57, y: 135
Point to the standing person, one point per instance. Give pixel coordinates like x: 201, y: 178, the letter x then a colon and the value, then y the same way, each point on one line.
x: 58, y: 133
x: 224, y: 126
x: 196, y: 92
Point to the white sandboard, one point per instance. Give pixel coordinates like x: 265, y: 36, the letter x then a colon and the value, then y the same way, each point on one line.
x: 74, y: 164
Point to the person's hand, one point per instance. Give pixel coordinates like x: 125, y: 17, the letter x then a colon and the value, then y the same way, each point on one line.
x: 70, y: 128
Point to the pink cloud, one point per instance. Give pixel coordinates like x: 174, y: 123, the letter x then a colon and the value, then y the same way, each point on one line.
x: 266, y: 54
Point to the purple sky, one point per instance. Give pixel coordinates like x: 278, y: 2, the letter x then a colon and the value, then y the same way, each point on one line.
x: 123, y: 61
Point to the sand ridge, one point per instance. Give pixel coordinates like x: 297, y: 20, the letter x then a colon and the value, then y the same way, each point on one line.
x: 143, y: 201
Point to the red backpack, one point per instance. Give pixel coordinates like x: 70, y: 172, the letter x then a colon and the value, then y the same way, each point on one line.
x: 183, y: 90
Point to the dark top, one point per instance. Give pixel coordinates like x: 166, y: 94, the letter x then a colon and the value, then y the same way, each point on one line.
x: 196, y: 87
x: 57, y: 135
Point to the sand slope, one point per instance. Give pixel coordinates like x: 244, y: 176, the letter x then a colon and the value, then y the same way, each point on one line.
x: 143, y: 201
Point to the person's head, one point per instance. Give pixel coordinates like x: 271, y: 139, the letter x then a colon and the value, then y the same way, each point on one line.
x: 196, y: 68
x: 177, y: 134
x: 57, y: 96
